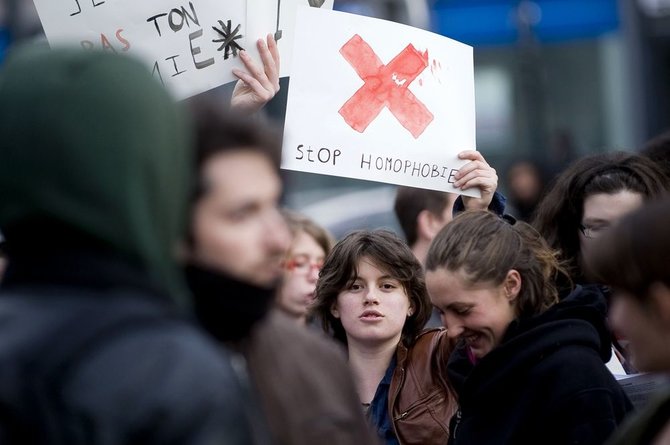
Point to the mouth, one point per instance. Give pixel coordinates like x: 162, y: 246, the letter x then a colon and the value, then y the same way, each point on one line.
x: 371, y: 315
x: 471, y: 338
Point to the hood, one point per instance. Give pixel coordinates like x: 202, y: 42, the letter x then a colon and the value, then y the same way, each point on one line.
x: 92, y: 145
x: 578, y: 319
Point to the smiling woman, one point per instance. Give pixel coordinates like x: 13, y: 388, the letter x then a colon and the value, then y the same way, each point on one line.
x: 527, y: 368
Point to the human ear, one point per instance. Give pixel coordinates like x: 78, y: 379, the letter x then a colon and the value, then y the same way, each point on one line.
x: 428, y: 224
x: 512, y: 284
x: 334, y: 312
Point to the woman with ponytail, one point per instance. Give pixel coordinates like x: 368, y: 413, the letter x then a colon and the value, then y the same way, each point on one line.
x: 528, y: 366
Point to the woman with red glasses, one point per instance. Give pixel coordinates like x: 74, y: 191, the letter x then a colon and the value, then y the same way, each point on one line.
x: 311, y: 243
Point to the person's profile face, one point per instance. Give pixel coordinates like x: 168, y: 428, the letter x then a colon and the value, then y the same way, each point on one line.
x: 236, y: 226
x: 301, y: 272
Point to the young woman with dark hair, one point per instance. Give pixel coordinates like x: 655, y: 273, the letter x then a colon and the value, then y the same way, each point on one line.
x: 371, y: 295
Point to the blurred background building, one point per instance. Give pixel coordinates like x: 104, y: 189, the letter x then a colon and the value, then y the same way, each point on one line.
x: 554, y: 79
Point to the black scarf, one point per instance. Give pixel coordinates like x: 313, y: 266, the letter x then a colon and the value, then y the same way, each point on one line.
x: 227, y: 308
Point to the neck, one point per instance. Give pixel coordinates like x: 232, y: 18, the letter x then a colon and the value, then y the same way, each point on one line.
x: 420, y: 250
x: 368, y: 365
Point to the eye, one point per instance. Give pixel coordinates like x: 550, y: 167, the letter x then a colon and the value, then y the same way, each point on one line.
x: 462, y: 311
x: 241, y: 214
x: 389, y: 286
x: 355, y: 286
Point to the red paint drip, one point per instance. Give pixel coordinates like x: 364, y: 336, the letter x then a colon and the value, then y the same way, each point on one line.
x: 385, y: 86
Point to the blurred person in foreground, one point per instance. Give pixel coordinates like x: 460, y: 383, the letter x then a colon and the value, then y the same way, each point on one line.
x: 309, y: 246
x: 96, y: 348
x: 238, y: 241
x: 634, y: 258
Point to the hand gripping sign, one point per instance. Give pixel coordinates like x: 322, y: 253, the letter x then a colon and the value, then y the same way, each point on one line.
x: 376, y: 100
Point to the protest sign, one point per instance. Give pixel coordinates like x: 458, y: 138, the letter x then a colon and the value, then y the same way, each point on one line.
x: 641, y: 388
x: 277, y: 17
x: 380, y: 101
x: 190, y: 45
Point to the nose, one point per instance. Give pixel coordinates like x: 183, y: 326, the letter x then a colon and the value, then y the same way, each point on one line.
x: 370, y: 296
x: 313, y: 274
x: 454, y: 329
x: 277, y: 235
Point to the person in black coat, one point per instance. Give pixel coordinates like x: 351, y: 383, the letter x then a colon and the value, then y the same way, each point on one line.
x: 96, y: 346
x: 528, y: 368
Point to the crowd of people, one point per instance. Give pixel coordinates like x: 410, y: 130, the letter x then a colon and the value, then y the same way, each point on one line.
x: 156, y: 291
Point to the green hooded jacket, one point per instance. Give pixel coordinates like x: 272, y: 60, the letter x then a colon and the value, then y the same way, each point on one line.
x: 92, y: 142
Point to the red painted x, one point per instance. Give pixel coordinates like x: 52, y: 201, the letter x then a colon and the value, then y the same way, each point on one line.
x: 385, y: 86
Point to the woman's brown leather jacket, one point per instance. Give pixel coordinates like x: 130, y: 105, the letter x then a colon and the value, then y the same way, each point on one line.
x: 421, y: 401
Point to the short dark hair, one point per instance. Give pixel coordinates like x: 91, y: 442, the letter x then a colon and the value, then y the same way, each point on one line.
x: 485, y: 247
x: 410, y: 201
x: 636, y: 252
x: 219, y: 132
x: 389, y: 253
x: 560, y: 213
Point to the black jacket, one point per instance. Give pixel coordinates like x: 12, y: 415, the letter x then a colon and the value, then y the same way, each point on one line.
x: 546, y: 383
x: 91, y: 353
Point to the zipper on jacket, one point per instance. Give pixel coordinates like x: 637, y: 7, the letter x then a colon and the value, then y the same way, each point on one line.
x: 458, y: 421
x: 402, y: 416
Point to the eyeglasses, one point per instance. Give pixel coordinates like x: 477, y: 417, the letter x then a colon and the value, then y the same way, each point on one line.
x: 593, y: 232
x: 302, y: 264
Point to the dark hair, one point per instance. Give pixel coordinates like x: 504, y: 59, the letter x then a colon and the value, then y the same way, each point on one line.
x: 219, y: 132
x: 389, y: 253
x: 410, y: 201
x: 560, y: 213
x: 486, y: 247
x: 636, y: 252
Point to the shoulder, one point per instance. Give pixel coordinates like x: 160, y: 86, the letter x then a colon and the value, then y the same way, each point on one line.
x: 279, y: 332
x: 431, y: 342
x: 168, y: 378
x: 279, y: 345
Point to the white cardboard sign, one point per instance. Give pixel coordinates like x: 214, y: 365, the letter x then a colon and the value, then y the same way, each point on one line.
x: 277, y: 17
x: 177, y: 39
x: 380, y: 101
